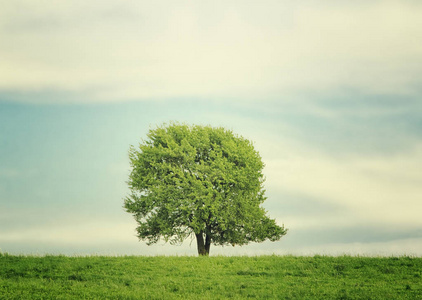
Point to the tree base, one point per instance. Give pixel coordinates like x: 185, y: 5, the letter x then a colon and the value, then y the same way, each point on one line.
x: 203, y: 246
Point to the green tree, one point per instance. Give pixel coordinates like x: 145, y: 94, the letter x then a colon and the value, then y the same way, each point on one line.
x: 201, y: 181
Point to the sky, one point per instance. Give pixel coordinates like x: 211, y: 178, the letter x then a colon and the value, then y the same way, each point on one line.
x: 330, y: 92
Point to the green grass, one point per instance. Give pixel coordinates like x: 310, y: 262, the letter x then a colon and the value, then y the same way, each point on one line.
x: 263, y: 277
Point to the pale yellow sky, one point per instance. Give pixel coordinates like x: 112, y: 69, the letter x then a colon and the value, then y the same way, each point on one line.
x: 114, y: 50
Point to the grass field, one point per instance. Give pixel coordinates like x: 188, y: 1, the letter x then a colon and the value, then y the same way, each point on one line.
x: 263, y: 277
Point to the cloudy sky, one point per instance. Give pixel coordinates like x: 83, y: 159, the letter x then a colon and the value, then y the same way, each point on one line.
x: 329, y: 91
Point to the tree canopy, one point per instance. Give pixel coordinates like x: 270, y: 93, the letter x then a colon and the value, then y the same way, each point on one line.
x: 198, y: 181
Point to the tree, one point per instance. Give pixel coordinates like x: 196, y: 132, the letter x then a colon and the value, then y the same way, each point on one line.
x: 202, y: 181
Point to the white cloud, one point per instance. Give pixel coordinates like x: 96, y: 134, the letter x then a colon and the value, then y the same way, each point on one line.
x: 373, y: 190
x: 94, y: 232
x: 118, y: 238
x: 399, y: 247
x: 87, y: 238
x: 118, y: 50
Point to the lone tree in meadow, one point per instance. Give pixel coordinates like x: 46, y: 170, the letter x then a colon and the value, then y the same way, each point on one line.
x: 202, y: 181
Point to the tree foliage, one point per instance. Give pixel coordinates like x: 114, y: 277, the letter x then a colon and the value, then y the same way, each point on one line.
x: 201, y: 181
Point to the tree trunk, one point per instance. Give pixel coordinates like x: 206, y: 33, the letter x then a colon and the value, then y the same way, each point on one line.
x: 207, y: 244
x: 203, y: 247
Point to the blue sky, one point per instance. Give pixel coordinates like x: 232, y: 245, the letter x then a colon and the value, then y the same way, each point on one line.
x: 329, y: 92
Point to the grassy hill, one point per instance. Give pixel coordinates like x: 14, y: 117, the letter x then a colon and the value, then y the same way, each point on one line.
x: 263, y: 277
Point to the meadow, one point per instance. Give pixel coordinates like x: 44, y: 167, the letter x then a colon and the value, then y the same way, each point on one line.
x: 220, y: 277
